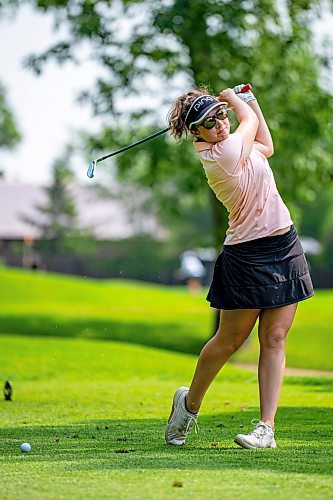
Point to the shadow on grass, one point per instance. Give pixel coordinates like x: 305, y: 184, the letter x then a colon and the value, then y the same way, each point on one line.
x: 303, y: 437
x: 171, y: 336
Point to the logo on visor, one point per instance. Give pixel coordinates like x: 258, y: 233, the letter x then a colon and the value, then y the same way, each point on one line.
x: 202, y: 101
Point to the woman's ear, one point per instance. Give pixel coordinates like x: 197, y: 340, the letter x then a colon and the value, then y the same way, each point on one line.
x: 195, y: 132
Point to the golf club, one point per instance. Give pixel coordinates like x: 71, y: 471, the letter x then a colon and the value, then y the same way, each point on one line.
x: 91, y: 168
x: 92, y: 165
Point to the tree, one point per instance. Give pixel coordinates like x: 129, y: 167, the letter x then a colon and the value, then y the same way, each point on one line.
x: 181, y: 43
x: 9, y: 134
x: 59, y: 233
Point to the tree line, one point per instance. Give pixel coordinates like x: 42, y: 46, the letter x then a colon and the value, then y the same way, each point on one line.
x: 152, y: 51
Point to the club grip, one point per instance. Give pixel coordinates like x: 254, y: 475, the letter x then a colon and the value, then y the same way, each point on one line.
x: 246, y: 87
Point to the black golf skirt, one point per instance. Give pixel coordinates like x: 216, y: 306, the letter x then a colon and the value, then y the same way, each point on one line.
x: 261, y: 274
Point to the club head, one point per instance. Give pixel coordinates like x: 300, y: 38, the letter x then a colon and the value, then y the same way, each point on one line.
x: 91, y: 169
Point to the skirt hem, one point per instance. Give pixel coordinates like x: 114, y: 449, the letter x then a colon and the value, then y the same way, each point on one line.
x: 262, y: 307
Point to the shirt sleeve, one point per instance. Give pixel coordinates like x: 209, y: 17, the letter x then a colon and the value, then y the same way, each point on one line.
x: 228, y: 153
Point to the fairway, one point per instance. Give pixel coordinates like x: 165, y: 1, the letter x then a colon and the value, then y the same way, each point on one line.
x: 94, y: 368
x: 94, y: 412
x: 148, y: 314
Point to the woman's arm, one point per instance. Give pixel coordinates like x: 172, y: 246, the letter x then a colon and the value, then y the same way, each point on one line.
x: 263, y: 140
x: 247, y: 118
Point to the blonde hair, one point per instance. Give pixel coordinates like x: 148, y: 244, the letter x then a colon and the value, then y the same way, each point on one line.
x: 178, y: 112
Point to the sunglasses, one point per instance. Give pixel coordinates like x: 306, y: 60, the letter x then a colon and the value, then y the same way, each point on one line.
x: 210, y: 122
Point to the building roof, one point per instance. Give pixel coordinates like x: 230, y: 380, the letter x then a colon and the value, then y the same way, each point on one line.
x: 107, y: 218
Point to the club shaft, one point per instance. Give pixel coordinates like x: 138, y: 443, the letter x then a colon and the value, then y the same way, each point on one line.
x: 133, y: 145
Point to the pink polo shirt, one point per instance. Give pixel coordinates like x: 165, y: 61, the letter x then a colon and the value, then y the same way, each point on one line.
x: 246, y: 187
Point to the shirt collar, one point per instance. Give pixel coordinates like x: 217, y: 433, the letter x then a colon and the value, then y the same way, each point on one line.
x: 203, y: 146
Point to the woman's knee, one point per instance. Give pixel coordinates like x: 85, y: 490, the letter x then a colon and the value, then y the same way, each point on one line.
x: 235, y: 327
x: 274, y: 325
x: 230, y: 343
x: 273, y: 338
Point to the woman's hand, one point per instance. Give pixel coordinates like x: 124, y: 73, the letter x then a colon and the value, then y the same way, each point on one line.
x: 227, y: 95
x: 247, y: 118
x: 243, y: 94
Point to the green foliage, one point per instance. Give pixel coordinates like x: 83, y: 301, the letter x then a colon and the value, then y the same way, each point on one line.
x: 60, y: 208
x: 59, y: 234
x: 181, y: 43
x: 9, y: 134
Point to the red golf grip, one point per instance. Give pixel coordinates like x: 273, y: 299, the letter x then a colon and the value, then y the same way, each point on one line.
x: 246, y: 87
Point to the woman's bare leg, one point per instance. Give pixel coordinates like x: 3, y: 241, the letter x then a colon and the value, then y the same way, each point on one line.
x: 274, y: 325
x: 234, y: 328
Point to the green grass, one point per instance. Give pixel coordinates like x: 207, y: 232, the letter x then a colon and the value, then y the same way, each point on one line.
x: 49, y: 304
x: 94, y: 412
x: 152, y: 315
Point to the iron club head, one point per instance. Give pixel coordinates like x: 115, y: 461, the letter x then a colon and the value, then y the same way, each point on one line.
x: 91, y: 169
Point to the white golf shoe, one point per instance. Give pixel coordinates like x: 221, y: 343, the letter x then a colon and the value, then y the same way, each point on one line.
x: 262, y: 436
x: 180, y: 419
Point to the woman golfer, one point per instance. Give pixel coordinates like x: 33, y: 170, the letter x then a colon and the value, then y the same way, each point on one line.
x: 261, y: 273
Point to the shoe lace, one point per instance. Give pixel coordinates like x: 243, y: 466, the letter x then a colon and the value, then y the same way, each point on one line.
x: 260, y: 429
x: 186, y: 423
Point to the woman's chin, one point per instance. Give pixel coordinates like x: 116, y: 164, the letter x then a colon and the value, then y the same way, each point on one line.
x: 223, y: 135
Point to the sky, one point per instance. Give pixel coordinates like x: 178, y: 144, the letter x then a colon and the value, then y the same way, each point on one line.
x: 45, y: 107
